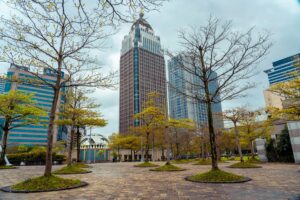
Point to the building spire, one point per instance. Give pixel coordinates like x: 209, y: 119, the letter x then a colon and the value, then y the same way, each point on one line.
x: 141, y: 13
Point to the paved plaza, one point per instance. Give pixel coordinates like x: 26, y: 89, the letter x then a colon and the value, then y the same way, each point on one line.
x: 123, y: 181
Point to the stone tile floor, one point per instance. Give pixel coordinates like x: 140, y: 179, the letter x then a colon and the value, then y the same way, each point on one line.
x: 123, y: 181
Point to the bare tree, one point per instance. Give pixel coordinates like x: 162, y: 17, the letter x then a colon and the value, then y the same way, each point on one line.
x: 60, y: 37
x: 220, y: 60
x: 235, y: 116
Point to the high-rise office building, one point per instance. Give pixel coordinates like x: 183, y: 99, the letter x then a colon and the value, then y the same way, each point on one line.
x: 43, y: 95
x: 142, y: 70
x: 280, y: 72
x: 180, y: 105
x: 2, y: 85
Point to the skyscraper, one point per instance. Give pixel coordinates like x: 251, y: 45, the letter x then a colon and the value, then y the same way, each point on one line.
x: 180, y: 105
x: 281, y: 69
x: 142, y: 70
x: 280, y: 72
x: 2, y: 85
x: 33, y: 134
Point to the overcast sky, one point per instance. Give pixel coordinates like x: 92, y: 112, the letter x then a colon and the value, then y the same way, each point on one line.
x: 280, y: 17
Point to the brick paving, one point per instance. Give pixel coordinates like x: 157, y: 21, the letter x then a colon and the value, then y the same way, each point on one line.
x: 123, y: 181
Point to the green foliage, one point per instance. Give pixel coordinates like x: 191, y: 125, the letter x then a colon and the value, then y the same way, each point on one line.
x: 126, y: 141
x: 182, y: 161
x: 289, y: 91
x: 19, y: 106
x: 146, y: 164
x: 280, y: 150
x: 81, y: 165
x: 101, y: 152
x: 71, y: 169
x: 203, y: 162
x: 80, y: 111
x: 167, y: 167
x: 7, y: 167
x: 45, y: 183
x: 244, y: 165
x: 216, y: 176
x: 33, y: 157
x: 23, y: 148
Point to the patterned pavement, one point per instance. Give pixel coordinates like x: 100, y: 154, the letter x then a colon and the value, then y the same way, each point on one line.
x: 123, y: 181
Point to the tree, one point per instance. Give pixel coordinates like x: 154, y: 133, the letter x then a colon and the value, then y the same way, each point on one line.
x: 251, y: 128
x: 18, y: 110
x: 115, y: 143
x: 131, y: 142
x: 180, y: 129
x: 79, y: 112
x: 59, y: 36
x: 217, y: 53
x: 235, y: 116
x: 151, y: 116
x: 289, y: 90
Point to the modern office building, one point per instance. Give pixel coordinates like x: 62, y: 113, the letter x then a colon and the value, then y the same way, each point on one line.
x: 2, y: 85
x: 142, y: 70
x: 280, y: 72
x: 33, y: 134
x: 180, y: 105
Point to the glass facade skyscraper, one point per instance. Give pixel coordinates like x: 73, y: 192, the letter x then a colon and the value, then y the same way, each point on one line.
x: 282, y: 68
x: 33, y: 134
x: 2, y: 85
x: 180, y: 105
x: 142, y: 70
x: 280, y: 72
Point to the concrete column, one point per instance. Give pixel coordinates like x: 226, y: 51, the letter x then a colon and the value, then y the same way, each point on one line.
x: 294, y: 132
x: 261, y: 149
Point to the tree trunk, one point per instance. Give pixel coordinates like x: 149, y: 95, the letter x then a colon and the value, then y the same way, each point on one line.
x: 168, y: 156
x: 78, y: 144
x: 4, y: 145
x: 153, y: 146
x: 237, y: 142
x: 212, y: 137
x: 252, y: 150
x: 147, y: 147
x: 202, y: 148
x: 48, y: 164
x: 177, y: 145
x: 70, y: 148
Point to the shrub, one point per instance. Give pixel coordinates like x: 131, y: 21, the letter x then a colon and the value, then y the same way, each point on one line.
x: 280, y: 150
x: 33, y: 158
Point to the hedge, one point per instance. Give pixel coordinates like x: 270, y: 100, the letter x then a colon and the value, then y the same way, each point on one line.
x: 33, y: 158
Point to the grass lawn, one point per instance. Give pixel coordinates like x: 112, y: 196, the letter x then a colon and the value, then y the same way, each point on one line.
x: 181, y: 161
x: 7, y: 167
x: 167, y: 167
x: 244, y: 165
x: 82, y: 165
x: 237, y: 158
x: 216, y: 176
x: 45, y: 183
x: 72, y: 169
x: 146, y: 164
x: 203, y: 162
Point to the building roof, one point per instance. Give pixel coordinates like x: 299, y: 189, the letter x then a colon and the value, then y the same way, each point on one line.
x: 141, y: 21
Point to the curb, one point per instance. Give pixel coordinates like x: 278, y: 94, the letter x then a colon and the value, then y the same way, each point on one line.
x: 246, y: 179
x: 8, y: 189
x: 72, y: 173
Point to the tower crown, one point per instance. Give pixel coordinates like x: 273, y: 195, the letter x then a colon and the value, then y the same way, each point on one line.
x: 141, y: 21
